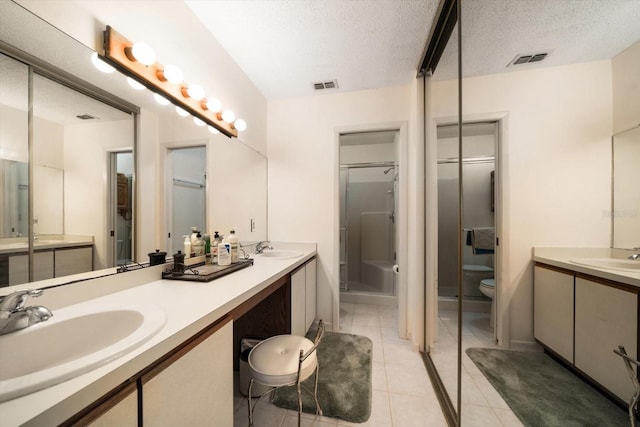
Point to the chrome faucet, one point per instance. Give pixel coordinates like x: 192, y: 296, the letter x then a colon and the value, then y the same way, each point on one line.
x: 261, y: 246
x: 634, y: 256
x: 15, y: 316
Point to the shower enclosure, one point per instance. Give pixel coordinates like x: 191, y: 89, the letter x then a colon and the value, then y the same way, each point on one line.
x: 368, y: 206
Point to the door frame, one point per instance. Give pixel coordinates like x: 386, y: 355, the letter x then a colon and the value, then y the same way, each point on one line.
x: 402, y: 215
x: 502, y: 220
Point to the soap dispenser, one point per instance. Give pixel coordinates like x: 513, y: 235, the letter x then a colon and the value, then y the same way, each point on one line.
x: 197, y: 246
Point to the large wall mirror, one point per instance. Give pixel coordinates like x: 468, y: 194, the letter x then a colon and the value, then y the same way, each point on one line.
x: 559, y: 121
x: 82, y: 171
x: 626, y: 191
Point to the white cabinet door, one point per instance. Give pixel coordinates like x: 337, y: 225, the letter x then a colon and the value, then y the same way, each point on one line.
x: 196, y: 389
x: 19, y: 267
x: 310, y: 290
x: 123, y: 413
x: 553, y: 310
x: 606, y: 317
x: 73, y: 261
x: 298, y: 302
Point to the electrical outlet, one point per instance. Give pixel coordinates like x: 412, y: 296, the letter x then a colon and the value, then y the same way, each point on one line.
x: 253, y: 225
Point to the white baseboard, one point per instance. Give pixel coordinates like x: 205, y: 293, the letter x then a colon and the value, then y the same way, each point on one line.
x: 524, y: 346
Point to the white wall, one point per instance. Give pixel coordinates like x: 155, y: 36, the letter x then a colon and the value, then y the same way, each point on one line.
x: 558, y: 156
x: 303, y: 158
x: 626, y: 88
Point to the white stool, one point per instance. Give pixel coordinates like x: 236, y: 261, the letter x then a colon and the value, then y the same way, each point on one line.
x: 284, y: 360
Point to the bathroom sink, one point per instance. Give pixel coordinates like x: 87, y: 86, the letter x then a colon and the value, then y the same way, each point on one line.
x: 610, y: 263
x: 73, y: 342
x: 279, y: 254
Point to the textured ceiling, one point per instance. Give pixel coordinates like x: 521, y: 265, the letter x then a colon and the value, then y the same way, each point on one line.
x: 285, y: 45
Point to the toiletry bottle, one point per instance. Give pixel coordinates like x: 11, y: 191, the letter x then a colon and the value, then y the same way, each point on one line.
x: 197, y: 246
x: 214, y: 246
x: 207, y: 248
x: 232, y: 239
x: 194, y: 236
x: 224, y: 254
x: 187, y: 246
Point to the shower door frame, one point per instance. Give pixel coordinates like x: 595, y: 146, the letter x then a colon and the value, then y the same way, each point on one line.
x: 345, y: 228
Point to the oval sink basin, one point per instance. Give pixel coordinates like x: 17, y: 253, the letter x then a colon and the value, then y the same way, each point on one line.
x: 71, y: 343
x: 610, y: 263
x: 280, y: 254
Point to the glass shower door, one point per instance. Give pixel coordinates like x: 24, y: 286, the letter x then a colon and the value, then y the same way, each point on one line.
x: 367, y: 228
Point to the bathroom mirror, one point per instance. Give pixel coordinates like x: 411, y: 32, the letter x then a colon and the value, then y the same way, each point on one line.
x: 26, y: 32
x: 625, y: 216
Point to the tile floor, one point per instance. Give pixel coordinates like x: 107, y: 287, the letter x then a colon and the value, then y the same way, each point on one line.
x: 402, y: 392
x: 481, y: 403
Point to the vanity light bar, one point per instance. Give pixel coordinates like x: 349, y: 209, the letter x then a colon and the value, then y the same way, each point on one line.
x: 117, y: 52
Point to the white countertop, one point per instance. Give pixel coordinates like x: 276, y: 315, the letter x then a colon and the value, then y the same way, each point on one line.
x: 561, y: 257
x: 42, y: 242
x: 190, y: 307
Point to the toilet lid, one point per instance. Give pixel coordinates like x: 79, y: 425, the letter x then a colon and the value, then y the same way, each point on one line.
x: 472, y: 267
x: 490, y: 283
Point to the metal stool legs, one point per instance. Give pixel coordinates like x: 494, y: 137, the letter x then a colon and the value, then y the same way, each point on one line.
x: 634, y: 379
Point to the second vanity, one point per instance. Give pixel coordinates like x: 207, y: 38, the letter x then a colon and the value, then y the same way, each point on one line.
x: 188, y: 364
x: 584, y: 310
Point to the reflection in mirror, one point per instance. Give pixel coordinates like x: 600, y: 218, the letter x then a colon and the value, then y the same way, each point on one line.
x: 187, y: 196
x: 626, y: 189
x: 74, y: 133
x: 239, y: 190
x: 14, y: 150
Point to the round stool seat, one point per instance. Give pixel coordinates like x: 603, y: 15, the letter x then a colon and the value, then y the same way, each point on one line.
x: 274, y: 361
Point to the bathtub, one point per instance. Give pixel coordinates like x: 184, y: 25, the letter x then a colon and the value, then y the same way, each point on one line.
x: 378, y: 276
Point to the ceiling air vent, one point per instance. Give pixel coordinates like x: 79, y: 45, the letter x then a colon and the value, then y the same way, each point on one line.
x: 86, y: 117
x: 331, y: 84
x: 528, y: 59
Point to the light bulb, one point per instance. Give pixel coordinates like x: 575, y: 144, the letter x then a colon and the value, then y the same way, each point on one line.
x: 240, y: 124
x: 143, y: 53
x: 228, y: 116
x: 213, y: 105
x: 182, y: 112
x: 213, y: 130
x: 161, y: 99
x: 196, y: 92
x: 198, y: 122
x: 135, y: 84
x: 171, y: 73
x: 100, y: 64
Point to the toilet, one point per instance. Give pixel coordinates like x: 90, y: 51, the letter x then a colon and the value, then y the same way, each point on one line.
x: 488, y: 289
x: 472, y: 275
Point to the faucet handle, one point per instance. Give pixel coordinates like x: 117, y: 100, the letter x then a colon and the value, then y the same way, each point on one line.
x: 16, y: 300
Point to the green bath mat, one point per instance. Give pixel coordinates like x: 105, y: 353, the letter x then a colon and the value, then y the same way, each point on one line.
x: 344, y: 382
x: 541, y: 392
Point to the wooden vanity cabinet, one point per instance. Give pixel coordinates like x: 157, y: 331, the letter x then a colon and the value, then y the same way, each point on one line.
x: 582, y: 319
x: 606, y: 316
x: 553, y: 310
x: 121, y: 410
x: 190, y: 386
x: 194, y: 387
x: 303, y: 298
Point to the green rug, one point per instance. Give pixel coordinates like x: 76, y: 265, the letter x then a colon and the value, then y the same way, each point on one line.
x: 541, y: 392
x: 344, y: 382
